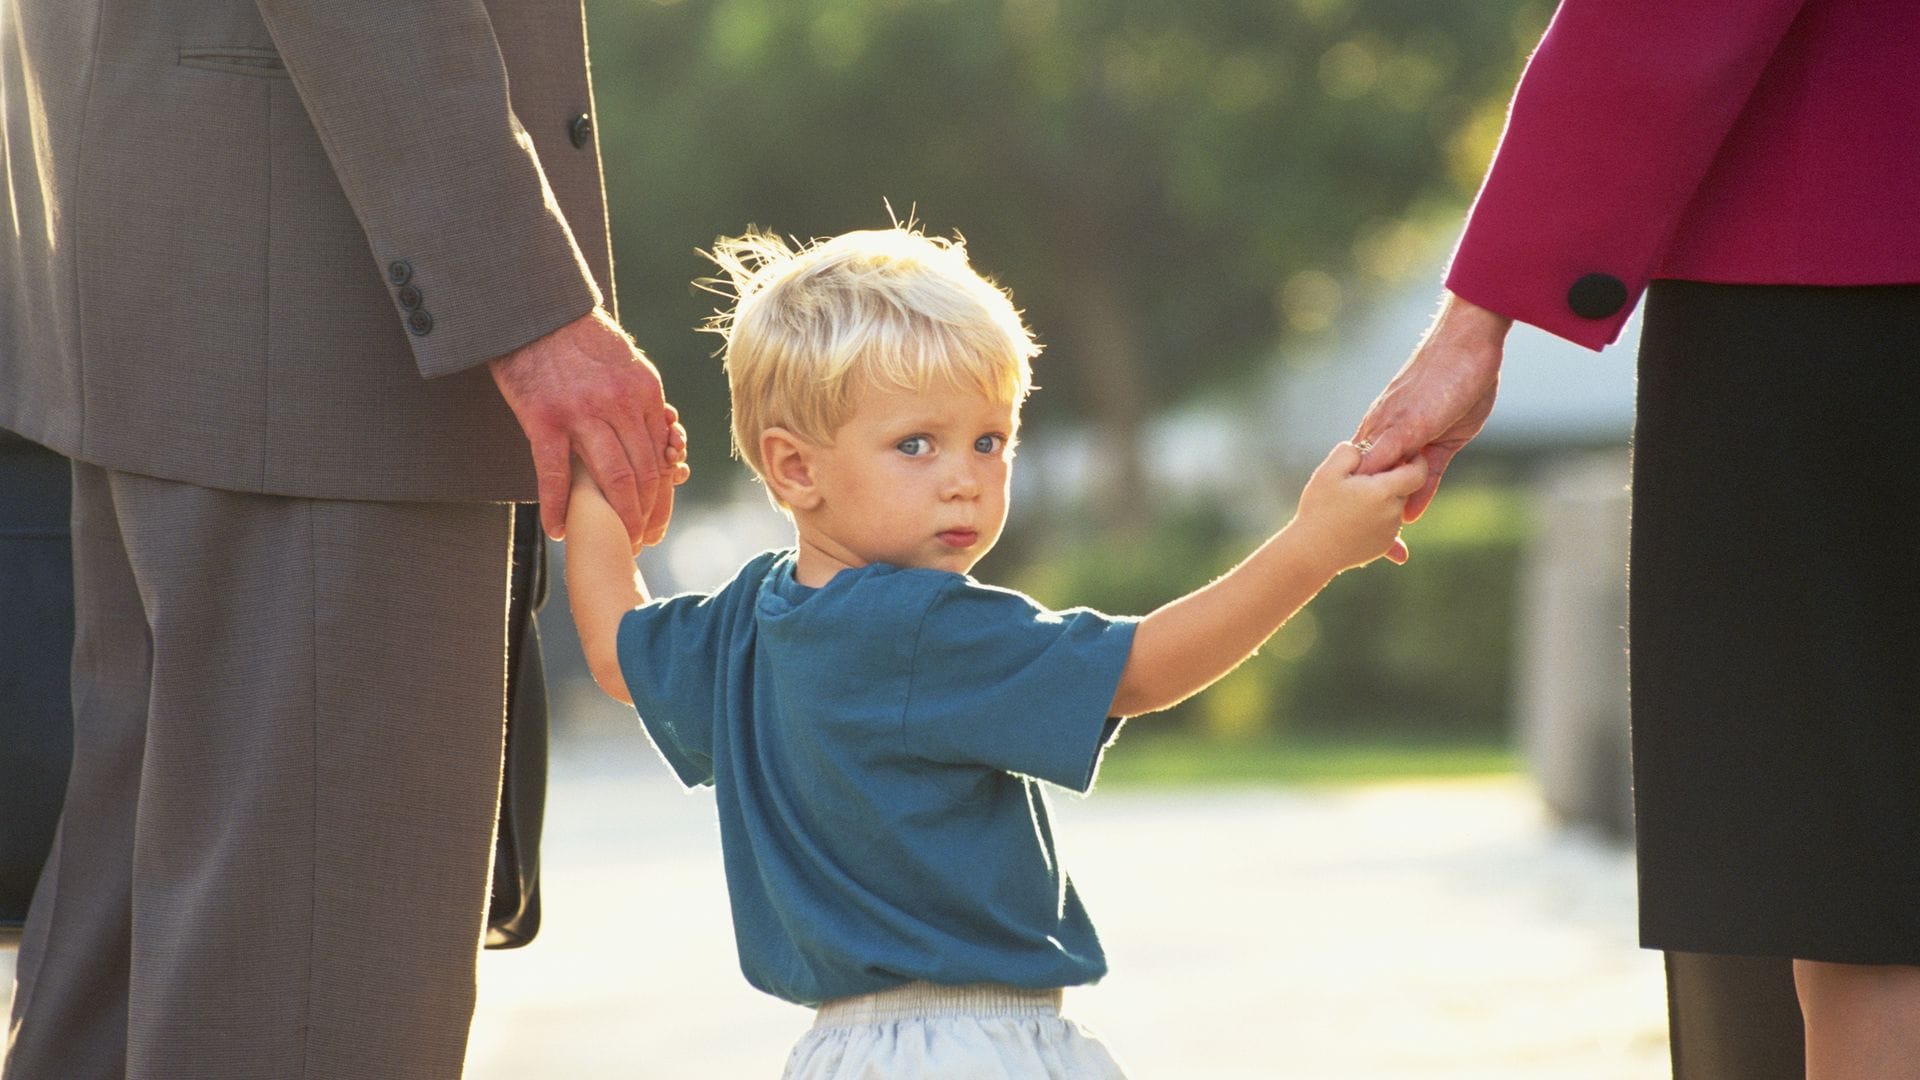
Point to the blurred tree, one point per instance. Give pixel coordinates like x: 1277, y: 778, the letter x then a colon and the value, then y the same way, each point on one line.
x: 1167, y: 186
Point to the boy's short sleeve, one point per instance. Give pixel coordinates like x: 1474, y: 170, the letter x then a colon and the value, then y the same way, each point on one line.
x: 669, y: 653
x: 673, y: 655
x: 1000, y: 681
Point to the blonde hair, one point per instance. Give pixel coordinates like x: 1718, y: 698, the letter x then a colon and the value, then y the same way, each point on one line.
x: 810, y: 328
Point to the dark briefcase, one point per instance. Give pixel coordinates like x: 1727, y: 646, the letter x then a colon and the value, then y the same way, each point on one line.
x: 36, y: 646
x: 513, y: 911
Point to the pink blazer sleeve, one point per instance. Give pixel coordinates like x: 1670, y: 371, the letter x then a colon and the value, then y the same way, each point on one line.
x: 1615, y: 122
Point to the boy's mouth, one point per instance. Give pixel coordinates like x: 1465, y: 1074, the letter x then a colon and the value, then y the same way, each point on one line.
x: 959, y: 538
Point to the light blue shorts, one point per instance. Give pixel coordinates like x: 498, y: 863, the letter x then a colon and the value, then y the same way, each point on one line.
x: 930, y: 1032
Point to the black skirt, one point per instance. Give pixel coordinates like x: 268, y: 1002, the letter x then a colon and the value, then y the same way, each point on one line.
x: 1775, y: 626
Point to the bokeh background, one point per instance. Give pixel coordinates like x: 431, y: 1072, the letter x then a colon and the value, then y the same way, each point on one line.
x: 1395, y: 844
x: 1226, y: 221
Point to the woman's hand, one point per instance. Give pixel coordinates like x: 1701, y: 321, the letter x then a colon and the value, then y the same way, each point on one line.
x: 1439, y: 401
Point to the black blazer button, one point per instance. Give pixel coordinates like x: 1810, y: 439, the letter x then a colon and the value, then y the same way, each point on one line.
x: 409, y: 296
x: 420, y: 322
x: 1597, y: 296
x: 580, y: 131
x: 399, y: 271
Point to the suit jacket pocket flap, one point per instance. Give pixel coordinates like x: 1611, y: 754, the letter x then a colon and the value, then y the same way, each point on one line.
x: 236, y: 60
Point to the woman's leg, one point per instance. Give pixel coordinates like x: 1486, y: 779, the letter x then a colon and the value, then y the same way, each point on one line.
x: 1863, y: 1020
x: 1733, y: 1018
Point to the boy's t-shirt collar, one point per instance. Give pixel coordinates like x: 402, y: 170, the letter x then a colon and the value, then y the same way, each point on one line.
x: 782, y: 591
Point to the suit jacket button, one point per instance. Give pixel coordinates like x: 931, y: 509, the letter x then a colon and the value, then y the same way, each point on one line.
x: 409, y: 296
x: 1597, y: 296
x: 420, y: 322
x: 399, y: 271
x: 580, y: 131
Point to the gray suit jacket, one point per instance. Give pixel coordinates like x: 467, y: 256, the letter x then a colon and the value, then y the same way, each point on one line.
x: 267, y: 246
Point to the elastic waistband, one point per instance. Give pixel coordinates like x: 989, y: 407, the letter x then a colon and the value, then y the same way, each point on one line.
x: 921, y: 999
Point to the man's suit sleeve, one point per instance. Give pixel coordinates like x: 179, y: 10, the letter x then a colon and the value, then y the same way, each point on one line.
x: 1615, y: 123
x: 410, y: 101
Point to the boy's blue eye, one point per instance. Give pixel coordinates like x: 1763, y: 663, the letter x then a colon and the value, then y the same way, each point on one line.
x: 914, y: 445
x: 989, y: 444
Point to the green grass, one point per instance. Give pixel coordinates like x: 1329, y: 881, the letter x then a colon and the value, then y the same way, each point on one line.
x: 1171, y: 760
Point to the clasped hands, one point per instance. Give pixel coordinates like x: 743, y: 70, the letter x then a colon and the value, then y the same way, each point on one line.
x: 587, y: 390
x: 1437, y: 403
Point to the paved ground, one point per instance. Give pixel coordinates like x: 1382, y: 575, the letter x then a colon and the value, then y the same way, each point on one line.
x: 1424, y: 931
x: 1438, y: 931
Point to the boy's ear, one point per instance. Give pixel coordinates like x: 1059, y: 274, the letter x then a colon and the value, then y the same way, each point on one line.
x: 790, y: 465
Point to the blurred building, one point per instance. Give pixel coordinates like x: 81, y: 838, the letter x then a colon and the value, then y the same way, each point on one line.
x: 1555, y: 397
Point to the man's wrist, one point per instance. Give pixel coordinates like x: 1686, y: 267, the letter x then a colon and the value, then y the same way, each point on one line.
x: 566, y: 329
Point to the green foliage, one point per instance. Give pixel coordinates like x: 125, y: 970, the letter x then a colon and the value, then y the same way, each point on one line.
x: 1428, y: 645
x: 1143, y: 757
x: 1423, y: 649
x: 1166, y: 185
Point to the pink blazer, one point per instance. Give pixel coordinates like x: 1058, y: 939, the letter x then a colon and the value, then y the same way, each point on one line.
x: 1733, y: 141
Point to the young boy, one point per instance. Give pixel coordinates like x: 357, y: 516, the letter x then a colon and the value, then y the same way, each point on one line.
x: 873, y: 720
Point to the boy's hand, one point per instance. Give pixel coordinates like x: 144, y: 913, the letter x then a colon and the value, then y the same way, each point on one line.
x: 1349, y: 520
x: 673, y: 466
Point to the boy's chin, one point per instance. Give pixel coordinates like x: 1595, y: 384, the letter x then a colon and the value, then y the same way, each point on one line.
x: 963, y: 563
x: 956, y: 562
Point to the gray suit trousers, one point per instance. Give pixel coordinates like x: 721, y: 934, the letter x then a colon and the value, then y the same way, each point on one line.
x: 273, y: 859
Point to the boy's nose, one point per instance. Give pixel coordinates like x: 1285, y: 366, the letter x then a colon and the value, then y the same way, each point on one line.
x: 964, y: 481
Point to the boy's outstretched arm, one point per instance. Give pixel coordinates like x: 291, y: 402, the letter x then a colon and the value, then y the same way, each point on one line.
x: 603, y: 583
x: 1344, y: 520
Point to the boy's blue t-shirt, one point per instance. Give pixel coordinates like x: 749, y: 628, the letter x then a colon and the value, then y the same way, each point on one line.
x: 871, y: 744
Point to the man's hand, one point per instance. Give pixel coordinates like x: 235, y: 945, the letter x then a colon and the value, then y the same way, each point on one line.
x: 587, y: 390
x: 1438, y: 402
